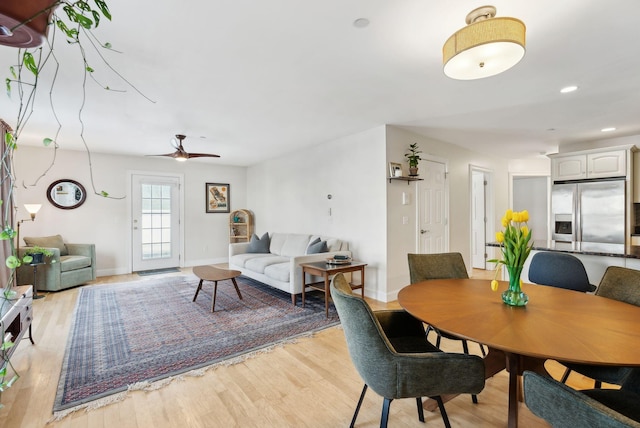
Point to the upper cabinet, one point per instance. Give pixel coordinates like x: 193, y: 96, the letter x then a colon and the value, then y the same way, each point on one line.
x: 583, y: 165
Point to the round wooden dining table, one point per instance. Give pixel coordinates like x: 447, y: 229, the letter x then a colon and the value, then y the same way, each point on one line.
x: 556, y: 324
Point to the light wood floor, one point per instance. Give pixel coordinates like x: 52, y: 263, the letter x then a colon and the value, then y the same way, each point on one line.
x: 308, y: 384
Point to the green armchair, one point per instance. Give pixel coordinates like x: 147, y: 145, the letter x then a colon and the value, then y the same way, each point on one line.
x: 69, y: 266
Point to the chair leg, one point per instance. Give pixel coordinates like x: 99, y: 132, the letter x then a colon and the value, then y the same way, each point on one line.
x: 484, y: 353
x: 443, y: 412
x: 355, y: 415
x: 385, y: 412
x: 565, y: 376
x: 420, y: 409
x: 465, y: 348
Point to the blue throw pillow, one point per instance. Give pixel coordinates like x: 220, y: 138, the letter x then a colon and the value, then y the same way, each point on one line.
x: 259, y: 245
x: 317, y: 246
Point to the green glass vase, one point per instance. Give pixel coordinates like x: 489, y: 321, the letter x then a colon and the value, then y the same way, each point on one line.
x: 514, y: 296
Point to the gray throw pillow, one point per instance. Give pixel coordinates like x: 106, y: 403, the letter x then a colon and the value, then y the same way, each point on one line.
x: 259, y: 245
x: 317, y: 246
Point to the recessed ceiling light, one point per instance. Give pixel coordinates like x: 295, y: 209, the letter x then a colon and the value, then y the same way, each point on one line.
x: 608, y: 129
x: 361, y: 22
x: 568, y: 89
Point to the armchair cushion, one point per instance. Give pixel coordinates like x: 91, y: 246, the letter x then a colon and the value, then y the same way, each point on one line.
x: 69, y: 263
x: 54, y: 241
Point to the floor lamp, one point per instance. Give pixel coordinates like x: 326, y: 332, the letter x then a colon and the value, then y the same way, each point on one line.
x: 32, y: 209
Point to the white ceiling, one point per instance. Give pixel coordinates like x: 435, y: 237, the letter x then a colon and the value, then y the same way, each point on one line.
x: 261, y: 78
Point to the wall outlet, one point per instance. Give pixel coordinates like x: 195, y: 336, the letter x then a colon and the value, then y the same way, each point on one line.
x: 405, y: 220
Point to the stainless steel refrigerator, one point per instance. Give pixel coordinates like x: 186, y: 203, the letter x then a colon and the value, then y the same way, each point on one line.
x: 589, y: 212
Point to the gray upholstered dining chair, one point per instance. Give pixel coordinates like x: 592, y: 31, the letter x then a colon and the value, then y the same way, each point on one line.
x: 424, y: 267
x: 392, y: 355
x: 564, y: 407
x: 560, y: 270
x: 621, y: 284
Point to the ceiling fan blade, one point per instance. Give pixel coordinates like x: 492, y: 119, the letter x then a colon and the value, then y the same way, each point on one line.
x: 171, y: 155
x: 202, y: 155
x: 181, y: 153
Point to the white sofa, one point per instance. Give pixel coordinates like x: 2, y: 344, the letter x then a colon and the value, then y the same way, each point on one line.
x: 280, y: 268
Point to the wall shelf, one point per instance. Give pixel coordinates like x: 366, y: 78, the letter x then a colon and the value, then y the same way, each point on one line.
x: 407, y: 179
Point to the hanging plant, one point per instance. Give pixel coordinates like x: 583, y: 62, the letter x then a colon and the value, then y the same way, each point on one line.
x: 75, y: 20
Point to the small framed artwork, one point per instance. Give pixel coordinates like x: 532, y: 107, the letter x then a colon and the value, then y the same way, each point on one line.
x: 218, y: 198
x: 395, y: 169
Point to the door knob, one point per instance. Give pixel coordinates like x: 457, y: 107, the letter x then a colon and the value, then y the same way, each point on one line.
x: 423, y: 231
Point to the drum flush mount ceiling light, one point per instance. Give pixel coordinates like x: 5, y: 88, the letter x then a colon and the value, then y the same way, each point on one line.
x: 485, y: 47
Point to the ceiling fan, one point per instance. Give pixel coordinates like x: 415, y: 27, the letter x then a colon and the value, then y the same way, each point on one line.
x: 181, y: 154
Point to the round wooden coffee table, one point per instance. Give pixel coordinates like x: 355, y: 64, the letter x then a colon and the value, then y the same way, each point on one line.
x: 212, y: 273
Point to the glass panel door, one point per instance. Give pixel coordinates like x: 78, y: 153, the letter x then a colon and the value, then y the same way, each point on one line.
x: 156, y: 222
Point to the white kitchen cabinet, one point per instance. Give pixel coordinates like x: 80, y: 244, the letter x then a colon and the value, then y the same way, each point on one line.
x: 607, y: 164
x: 600, y: 164
x: 572, y: 167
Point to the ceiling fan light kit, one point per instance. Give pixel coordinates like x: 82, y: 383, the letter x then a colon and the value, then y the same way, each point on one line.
x: 485, y: 47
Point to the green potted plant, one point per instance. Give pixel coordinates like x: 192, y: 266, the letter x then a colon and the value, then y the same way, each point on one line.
x: 37, y: 254
x: 413, y: 156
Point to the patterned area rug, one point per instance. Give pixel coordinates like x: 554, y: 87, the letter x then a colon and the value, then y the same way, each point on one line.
x: 125, y: 336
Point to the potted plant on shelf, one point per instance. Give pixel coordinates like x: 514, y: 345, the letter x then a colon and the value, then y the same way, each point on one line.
x: 413, y: 156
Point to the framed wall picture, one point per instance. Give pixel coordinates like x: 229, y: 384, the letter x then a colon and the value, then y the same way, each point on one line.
x: 395, y: 169
x: 218, y: 198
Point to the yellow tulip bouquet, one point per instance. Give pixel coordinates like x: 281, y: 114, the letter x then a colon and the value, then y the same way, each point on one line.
x: 516, y: 246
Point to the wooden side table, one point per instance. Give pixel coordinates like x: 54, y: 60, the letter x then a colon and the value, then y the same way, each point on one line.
x: 326, y: 271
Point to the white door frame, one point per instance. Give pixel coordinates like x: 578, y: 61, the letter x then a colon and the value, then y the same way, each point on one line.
x: 444, y: 161
x: 129, y: 238
x: 489, y: 208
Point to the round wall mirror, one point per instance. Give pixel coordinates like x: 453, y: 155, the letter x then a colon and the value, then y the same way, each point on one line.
x: 66, y: 194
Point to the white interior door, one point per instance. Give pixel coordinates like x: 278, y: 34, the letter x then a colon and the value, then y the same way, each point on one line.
x: 432, y: 215
x: 478, y: 219
x: 155, y: 220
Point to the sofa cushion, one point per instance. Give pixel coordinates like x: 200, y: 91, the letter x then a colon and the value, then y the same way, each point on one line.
x: 259, y: 264
x: 69, y: 263
x: 295, y: 245
x: 241, y: 259
x: 54, y: 241
x: 259, y: 245
x: 279, y: 271
x: 317, y: 246
x: 277, y: 242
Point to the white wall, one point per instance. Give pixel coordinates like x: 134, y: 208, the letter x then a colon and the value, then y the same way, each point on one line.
x: 289, y: 194
x: 402, y: 240
x: 106, y: 222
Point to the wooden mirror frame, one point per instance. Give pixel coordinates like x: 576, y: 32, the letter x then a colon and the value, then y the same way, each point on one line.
x: 58, y: 186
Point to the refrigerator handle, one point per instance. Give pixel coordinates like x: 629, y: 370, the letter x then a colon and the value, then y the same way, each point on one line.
x: 576, y: 213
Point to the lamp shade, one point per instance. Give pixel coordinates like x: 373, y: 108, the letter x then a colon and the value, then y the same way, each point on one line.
x: 32, y: 208
x: 486, y: 47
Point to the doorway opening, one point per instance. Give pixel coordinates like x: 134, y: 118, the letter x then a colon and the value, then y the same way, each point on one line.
x: 481, y: 185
